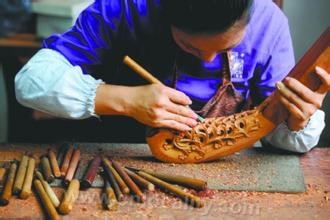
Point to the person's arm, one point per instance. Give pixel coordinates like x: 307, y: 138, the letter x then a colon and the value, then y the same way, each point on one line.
x: 154, y: 105
x: 61, y: 83
x: 49, y: 83
x: 297, y: 137
x: 298, y: 141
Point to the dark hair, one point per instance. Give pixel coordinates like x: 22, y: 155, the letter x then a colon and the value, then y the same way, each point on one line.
x: 205, y: 16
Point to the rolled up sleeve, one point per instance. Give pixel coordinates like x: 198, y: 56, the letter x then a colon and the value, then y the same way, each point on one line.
x: 49, y: 83
x: 298, y: 141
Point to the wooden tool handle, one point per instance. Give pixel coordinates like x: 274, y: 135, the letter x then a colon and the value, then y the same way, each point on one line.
x: 91, y: 172
x: 110, y: 169
x: 189, y: 182
x: 111, y: 202
x: 53, y: 163
x: 2, y: 175
x: 184, y: 196
x: 140, y: 70
x: 140, y: 181
x: 70, y: 197
x: 66, y: 160
x: 52, y: 196
x: 26, y: 189
x: 7, y: 191
x: 129, y: 182
x: 51, y: 211
x: 73, y: 166
x: 46, y: 169
x: 108, y: 174
x: 19, y: 180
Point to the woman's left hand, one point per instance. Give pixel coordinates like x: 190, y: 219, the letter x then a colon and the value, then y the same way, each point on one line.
x: 300, y: 101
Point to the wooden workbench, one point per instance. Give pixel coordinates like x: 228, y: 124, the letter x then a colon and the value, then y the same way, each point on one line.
x: 313, y: 204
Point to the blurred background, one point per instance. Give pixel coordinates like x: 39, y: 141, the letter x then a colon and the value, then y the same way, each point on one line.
x: 23, y: 25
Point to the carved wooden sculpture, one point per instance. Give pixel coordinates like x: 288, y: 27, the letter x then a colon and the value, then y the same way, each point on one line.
x: 214, y: 138
x: 222, y: 136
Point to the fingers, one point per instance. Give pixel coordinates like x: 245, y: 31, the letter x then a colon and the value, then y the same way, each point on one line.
x: 181, y: 119
x: 168, y: 109
x: 294, y: 110
x: 178, y: 103
x: 178, y: 97
x: 174, y: 125
x: 297, y: 106
x: 300, y: 94
x: 290, y: 95
x: 181, y: 110
x: 325, y: 78
x: 165, y: 118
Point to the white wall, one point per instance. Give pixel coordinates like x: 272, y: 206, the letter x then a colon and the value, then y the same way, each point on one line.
x: 308, y: 19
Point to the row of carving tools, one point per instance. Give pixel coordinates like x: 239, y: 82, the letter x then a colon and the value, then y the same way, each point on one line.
x: 17, y: 179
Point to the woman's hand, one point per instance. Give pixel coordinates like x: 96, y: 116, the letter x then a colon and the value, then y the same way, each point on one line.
x: 160, y: 106
x: 300, y: 101
x: 154, y: 105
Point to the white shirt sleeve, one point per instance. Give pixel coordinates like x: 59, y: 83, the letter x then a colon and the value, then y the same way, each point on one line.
x: 298, y: 141
x: 49, y: 83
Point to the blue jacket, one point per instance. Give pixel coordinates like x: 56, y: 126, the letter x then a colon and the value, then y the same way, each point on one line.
x: 108, y: 30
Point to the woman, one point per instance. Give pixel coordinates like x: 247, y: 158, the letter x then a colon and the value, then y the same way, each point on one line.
x: 79, y: 74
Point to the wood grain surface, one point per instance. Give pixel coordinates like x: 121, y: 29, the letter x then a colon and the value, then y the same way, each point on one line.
x: 313, y: 204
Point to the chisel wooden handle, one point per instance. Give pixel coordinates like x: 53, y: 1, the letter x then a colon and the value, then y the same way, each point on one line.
x: 52, y: 196
x: 189, y: 182
x: 7, y: 191
x: 26, y: 189
x: 54, y: 164
x: 184, y: 196
x: 111, y: 202
x: 47, y: 203
x: 19, y: 180
x: 70, y: 196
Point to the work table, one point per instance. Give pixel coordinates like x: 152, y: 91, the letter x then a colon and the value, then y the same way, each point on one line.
x: 313, y: 204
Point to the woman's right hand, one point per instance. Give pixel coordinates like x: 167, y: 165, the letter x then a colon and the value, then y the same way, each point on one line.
x: 161, y: 106
x: 153, y: 105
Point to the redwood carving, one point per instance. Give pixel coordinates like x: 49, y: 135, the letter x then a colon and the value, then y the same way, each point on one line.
x: 222, y: 136
x: 214, y: 138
